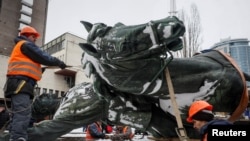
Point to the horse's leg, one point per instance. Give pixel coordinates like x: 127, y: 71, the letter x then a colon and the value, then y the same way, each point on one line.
x: 82, y: 107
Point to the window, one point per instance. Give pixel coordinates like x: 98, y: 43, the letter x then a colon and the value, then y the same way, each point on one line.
x: 25, y: 19
x: 50, y: 91
x: 26, y: 10
x: 56, y: 93
x: 44, y: 90
x: 27, y: 2
x: 37, y: 90
x: 63, y: 44
x: 70, y: 81
x: 62, y: 93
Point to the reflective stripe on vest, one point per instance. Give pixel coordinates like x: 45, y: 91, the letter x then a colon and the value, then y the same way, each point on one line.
x: 19, y: 64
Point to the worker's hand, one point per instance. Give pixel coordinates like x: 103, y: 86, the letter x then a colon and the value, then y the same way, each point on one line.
x: 62, y: 65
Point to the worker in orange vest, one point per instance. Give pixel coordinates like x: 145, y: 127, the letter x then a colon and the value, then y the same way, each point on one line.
x: 94, y: 131
x: 24, y: 70
x: 122, y: 133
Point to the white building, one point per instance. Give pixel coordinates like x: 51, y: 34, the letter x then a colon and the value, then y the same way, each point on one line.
x: 55, y: 80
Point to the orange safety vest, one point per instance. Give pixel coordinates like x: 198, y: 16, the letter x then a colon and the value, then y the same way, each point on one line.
x: 88, y: 135
x: 19, y: 64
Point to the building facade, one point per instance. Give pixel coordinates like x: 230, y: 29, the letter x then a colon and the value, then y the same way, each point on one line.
x: 239, y: 49
x: 15, y: 14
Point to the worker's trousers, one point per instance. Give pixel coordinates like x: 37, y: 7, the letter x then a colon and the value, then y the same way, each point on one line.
x: 20, y: 116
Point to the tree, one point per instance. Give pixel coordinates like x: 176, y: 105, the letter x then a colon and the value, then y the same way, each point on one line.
x: 192, y: 39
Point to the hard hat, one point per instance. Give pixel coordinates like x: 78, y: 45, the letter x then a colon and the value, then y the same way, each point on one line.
x: 196, y: 107
x: 29, y: 30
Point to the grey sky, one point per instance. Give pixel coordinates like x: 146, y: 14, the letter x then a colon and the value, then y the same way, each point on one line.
x: 219, y: 18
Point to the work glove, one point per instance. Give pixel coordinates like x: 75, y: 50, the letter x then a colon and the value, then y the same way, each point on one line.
x: 62, y: 65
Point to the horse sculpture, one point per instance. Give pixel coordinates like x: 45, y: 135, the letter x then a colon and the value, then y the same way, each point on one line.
x: 127, y: 64
x: 120, y: 58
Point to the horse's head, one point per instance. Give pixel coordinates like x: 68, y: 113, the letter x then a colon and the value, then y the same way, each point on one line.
x: 117, y: 53
x: 121, y: 40
x: 120, y: 44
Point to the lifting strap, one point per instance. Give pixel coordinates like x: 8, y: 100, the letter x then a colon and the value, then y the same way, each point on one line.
x: 244, y: 97
x: 181, y: 132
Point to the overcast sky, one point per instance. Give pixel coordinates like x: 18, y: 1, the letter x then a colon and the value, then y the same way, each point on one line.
x: 220, y: 19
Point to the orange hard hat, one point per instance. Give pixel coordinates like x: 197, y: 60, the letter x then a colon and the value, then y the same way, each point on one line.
x: 196, y: 107
x: 29, y: 30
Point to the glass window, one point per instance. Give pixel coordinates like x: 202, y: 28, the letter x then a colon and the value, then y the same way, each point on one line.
x: 50, y: 91
x: 63, y: 45
x: 62, y: 93
x: 59, y: 47
x: 53, y: 42
x: 58, y: 39
x: 25, y: 19
x: 26, y: 10
x: 27, y: 2
x: 56, y: 93
x: 44, y: 90
x: 38, y: 90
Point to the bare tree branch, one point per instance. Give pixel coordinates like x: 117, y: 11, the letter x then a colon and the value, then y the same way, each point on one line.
x: 192, y: 39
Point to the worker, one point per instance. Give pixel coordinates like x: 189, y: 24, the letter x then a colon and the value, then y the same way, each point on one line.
x: 200, y: 114
x: 24, y: 70
x: 95, y: 131
x: 122, y: 133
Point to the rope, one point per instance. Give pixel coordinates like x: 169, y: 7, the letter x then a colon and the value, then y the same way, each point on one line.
x: 10, y: 111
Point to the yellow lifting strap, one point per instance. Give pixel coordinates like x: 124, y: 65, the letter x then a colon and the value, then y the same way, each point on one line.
x: 181, y: 132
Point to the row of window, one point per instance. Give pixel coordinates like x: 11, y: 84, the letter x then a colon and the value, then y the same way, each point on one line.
x: 40, y: 91
x: 26, y: 13
x: 54, y: 45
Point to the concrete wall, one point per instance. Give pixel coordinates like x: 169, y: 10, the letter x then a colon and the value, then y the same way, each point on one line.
x: 3, y: 70
x: 9, y: 22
